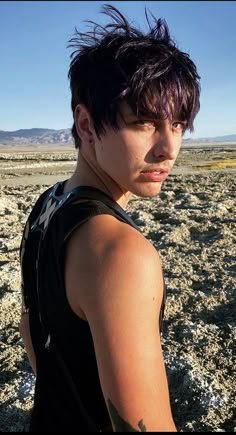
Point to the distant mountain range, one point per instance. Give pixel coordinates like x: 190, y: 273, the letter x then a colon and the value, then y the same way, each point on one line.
x: 45, y: 136
x: 227, y: 138
x: 36, y: 136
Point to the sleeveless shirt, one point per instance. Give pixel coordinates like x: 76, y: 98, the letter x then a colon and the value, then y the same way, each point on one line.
x: 68, y: 394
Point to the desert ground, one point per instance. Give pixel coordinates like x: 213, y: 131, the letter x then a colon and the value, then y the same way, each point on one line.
x: 192, y: 225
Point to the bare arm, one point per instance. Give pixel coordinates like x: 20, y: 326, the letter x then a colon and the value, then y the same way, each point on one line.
x: 26, y: 337
x: 121, y: 301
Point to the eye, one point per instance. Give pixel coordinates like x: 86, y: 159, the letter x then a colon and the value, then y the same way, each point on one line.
x: 179, y: 126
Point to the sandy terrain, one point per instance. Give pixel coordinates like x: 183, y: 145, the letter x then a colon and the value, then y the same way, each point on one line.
x: 192, y: 224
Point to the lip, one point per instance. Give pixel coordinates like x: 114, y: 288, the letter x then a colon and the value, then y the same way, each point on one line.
x: 155, y: 174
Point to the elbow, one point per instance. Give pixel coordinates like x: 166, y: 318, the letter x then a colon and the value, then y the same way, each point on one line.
x: 23, y: 325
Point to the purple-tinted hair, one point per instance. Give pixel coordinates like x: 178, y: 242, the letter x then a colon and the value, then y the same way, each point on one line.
x: 119, y: 63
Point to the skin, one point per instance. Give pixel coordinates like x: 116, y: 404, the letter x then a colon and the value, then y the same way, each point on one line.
x: 121, y: 299
x: 115, y: 161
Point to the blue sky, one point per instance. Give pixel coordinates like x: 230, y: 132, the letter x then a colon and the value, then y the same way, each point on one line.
x: 34, y: 89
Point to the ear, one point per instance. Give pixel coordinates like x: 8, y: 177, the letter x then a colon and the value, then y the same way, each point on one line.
x: 83, y: 124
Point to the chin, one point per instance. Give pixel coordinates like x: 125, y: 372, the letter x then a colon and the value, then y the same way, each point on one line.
x: 148, y: 190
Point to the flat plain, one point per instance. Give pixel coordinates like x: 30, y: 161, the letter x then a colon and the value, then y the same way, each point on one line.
x: 192, y: 225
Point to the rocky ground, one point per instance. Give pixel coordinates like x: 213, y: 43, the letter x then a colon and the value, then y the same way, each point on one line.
x: 192, y: 224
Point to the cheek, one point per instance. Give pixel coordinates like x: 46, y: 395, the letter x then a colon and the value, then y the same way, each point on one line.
x: 121, y: 152
x: 134, y: 147
x: 108, y: 155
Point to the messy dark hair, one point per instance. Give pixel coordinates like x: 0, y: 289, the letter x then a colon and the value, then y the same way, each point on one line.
x: 119, y: 63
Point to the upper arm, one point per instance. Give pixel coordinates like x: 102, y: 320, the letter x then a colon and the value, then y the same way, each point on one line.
x: 123, y: 313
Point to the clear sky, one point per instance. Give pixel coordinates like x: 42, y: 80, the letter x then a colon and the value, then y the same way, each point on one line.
x: 34, y: 58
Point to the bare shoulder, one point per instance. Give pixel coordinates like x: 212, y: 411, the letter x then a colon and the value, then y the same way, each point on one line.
x: 106, y: 255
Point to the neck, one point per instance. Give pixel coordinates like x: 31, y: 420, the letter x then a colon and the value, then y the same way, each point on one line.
x: 87, y: 174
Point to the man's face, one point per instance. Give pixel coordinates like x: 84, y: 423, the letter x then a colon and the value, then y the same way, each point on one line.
x: 140, y: 155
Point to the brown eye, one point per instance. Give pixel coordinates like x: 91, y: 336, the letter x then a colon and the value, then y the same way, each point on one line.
x: 179, y: 126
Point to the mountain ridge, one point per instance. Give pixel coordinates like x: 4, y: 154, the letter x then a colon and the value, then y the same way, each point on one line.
x: 49, y: 136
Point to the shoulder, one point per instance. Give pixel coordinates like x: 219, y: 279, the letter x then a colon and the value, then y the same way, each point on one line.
x: 104, y: 234
x: 110, y: 262
x: 104, y: 241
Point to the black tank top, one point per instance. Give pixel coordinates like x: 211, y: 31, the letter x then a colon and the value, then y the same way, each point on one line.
x: 68, y: 394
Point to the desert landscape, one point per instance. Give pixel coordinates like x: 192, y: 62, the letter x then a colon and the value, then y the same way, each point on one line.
x: 192, y: 225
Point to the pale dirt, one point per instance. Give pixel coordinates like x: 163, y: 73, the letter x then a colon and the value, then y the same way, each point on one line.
x: 192, y: 225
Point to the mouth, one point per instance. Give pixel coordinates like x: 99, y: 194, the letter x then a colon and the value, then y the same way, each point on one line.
x: 156, y: 174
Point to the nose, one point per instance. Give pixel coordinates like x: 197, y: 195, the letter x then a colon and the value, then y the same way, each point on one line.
x: 166, y: 146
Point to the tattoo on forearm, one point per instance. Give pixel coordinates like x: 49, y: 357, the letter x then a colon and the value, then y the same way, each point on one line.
x: 120, y: 424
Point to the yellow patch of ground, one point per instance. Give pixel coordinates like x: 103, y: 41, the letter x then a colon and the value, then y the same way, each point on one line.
x: 218, y: 164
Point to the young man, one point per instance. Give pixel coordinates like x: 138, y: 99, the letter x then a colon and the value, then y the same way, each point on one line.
x: 93, y: 293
